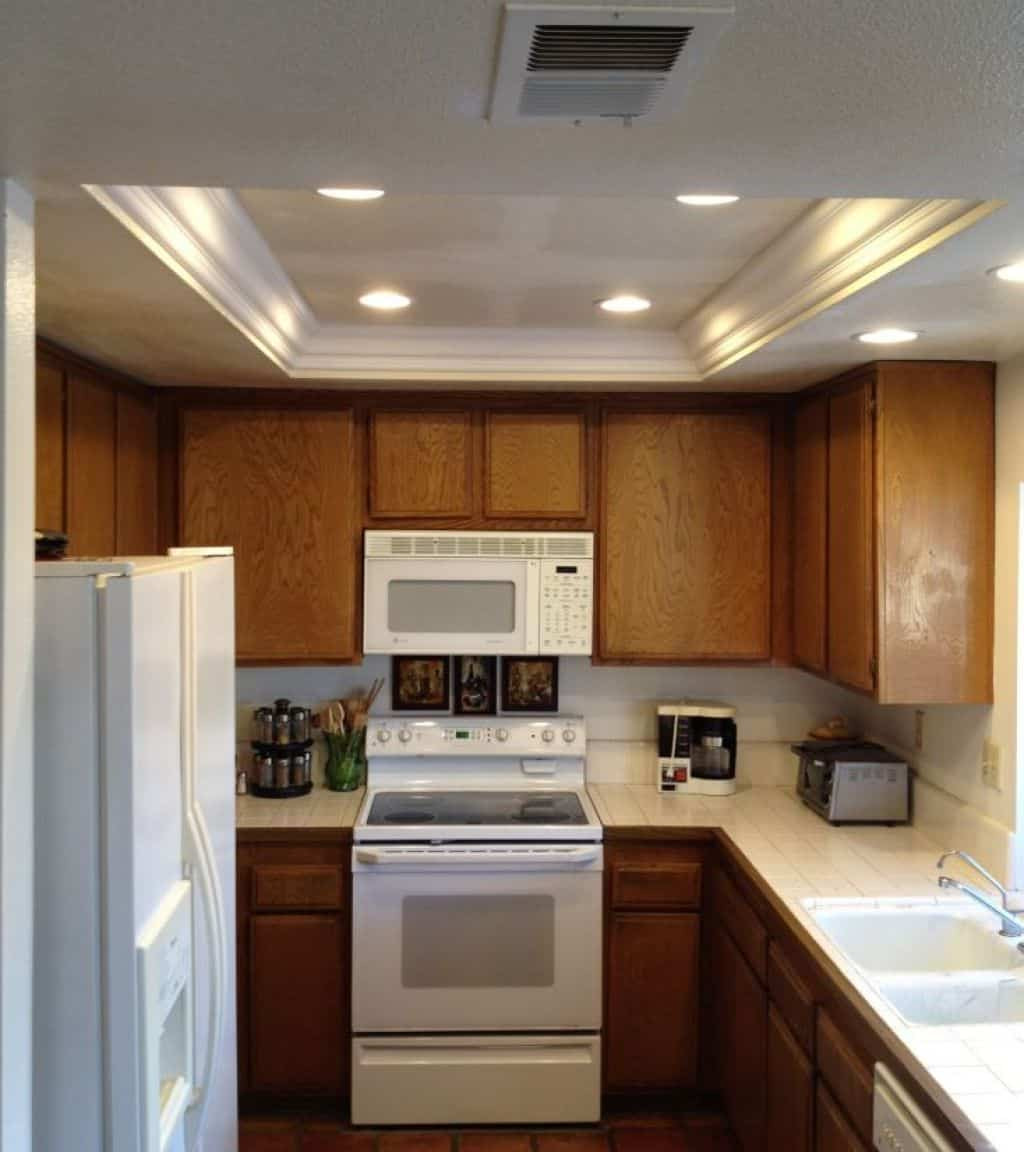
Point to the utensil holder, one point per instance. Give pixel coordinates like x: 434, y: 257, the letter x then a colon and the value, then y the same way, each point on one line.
x: 345, y: 769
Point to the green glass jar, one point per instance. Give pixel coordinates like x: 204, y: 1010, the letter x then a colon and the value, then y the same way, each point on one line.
x: 346, y: 760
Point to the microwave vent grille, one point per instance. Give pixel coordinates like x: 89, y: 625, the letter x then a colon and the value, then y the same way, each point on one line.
x: 486, y: 545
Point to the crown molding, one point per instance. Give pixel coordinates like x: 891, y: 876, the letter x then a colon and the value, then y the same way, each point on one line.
x: 836, y: 248
x: 206, y: 236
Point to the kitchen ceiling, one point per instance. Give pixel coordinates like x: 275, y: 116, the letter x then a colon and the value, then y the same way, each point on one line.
x: 510, y: 227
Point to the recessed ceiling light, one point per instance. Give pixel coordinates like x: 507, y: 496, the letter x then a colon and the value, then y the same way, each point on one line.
x: 706, y: 201
x: 887, y: 336
x: 1013, y: 273
x: 351, y: 193
x: 625, y: 303
x: 384, y: 300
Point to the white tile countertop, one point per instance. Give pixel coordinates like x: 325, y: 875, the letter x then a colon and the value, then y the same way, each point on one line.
x: 975, y: 1073
x: 321, y: 809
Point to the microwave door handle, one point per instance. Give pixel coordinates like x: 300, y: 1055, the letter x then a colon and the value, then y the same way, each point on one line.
x: 567, y: 857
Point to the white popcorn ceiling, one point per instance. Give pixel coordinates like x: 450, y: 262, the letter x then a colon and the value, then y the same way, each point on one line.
x: 799, y: 100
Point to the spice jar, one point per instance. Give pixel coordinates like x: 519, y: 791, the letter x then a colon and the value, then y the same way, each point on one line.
x: 299, y: 724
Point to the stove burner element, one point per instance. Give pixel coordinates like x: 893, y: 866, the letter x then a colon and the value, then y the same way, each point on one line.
x: 541, y: 811
x: 410, y: 816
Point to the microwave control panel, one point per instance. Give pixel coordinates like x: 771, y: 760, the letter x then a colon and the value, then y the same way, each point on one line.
x: 566, y: 605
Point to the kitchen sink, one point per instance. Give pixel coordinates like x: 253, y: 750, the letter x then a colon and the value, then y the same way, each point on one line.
x: 935, y: 964
x: 918, y: 937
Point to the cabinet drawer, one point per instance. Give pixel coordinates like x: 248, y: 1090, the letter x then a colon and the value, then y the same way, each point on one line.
x: 741, y: 922
x: 283, y: 886
x: 651, y: 885
x: 849, y: 1077
x: 791, y: 997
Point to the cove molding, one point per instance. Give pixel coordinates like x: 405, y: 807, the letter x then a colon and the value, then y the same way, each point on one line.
x: 834, y: 249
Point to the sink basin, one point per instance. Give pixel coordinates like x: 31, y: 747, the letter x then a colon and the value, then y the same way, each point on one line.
x: 935, y: 964
x: 974, y: 998
x: 923, y: 937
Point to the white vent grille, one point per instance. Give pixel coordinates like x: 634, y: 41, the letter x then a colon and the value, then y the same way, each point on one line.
x: 599, y: 63
x: 481, y: 545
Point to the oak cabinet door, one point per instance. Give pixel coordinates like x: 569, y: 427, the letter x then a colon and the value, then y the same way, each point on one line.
x: 535, y: 465
x: 653, y: 978
x: 741, y: 1014
x: 50, y: 408
x: 686, y: 536
x: 297, y: 980
x: 790, y: 1090
x: 810, y: 533
x: 851, y: 553
x: 91, y: 480
x: 421, y: 464
x: 833, y: 1132
x: 136, y: 472
x: 279, y: 487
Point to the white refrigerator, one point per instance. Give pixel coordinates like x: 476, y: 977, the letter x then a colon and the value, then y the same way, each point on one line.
x: 134, y: 997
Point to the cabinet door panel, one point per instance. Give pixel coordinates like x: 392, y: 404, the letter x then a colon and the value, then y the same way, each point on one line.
x: 833, y: 1132
x: 535, y: 464
x: 851, y: 558
x: 278, y: 486
x: 136, y: 475
x: 790, y: 1086
x: 90, y: 463
x: 741, y: 1014
x: 653, y: 976
x: 810, y: 529
x: 296, y: 1004
x: 686, y: 536
x: 421, y: 464
x: 49, y: 445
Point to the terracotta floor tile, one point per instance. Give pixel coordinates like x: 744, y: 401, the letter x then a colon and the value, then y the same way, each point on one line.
x: 481, y: 1140
x: 415, y: 1141
x: 335, y: 1138
x: 651, y: 1139
x: 572, y: 1142
x: 644, y: 1120
x: 268, y: 1136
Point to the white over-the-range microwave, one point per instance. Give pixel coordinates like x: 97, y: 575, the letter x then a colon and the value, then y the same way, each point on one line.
x: 478, y: 592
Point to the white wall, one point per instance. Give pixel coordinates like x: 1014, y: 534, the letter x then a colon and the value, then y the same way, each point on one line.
x: 17, y: 518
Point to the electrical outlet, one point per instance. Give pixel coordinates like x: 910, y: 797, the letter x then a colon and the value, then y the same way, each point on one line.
x: 919, y: 729
x: 991, y: 766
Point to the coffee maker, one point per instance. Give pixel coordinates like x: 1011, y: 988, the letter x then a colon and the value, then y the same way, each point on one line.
x: 697, y: 748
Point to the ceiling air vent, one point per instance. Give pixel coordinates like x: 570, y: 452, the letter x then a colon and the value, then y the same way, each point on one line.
x: 581, y: 63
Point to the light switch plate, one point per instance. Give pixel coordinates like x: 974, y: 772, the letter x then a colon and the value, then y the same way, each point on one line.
x: 991, y: 766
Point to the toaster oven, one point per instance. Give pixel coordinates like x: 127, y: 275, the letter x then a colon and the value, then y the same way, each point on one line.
x: 854, y: 782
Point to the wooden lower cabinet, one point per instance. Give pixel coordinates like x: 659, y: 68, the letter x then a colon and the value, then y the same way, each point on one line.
x: 296, y: 993
x: 293, y: 939
x: 741, y: 1011
x: 651, y: 1024
x: 790, y: 1090
x: 833, y: 1132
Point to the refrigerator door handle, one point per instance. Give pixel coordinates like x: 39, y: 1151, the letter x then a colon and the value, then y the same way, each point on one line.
x: 199, y: 854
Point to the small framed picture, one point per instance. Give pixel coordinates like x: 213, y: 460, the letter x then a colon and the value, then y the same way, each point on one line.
x: 421, y: 683
x: 476, y: 685
x: 529, y: 684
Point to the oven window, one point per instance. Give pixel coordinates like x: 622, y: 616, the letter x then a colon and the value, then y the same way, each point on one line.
x: 468, y: 606
x: 478, y: 941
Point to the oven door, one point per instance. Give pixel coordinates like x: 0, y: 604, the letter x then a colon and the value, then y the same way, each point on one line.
x: 476, y: 938
x: 458, y: 606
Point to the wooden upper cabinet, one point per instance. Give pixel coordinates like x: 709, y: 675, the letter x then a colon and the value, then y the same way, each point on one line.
x: 851, y: 573
x: 421, y: 464
x: 535, y: 465
x: 810, y: 528
x: 50, y: 409
x: 91, y: 481
x: 279, y: 486
x: 685, y: 539
x: 935, y: 516
x: 136, y: 471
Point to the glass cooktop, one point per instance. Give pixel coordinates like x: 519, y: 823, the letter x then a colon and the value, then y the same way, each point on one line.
x: 494, y: 808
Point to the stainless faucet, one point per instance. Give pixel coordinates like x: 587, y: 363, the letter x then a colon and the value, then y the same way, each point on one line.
x: 1012, y: 927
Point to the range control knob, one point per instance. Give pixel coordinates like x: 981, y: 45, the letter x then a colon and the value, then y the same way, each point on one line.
x: 568, y: 735
x: 547, y: 735
x: 383, y: 736
x: 405, y: 735
x: 501, y: 734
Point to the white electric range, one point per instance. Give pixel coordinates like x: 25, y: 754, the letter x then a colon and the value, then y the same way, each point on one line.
x: 477, y: 868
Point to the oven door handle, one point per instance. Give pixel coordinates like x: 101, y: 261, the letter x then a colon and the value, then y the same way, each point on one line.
x: 462, y: 858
